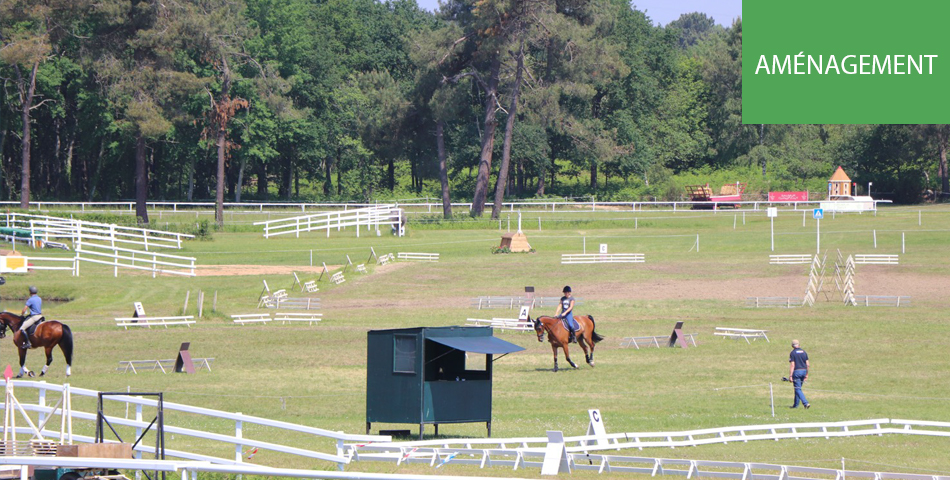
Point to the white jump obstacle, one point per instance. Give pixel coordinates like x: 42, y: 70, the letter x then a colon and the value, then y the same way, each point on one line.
x: 653, y: 341
x: 150, y: 322
x: 287, y: 302
x: 309, y: 286
x: 575, y: 258
x: 421, y: 257
x: 310, y: 318
x: 126, y: 366
x: 744, y: 333
x: 361, y: 268
x: 785, y: 302
x: 501, y: 324
x: 383, y: 260
x: 875, y: 259
x: 882, y: 300
x: 337, y: 278
x: 518, y: 301
x: 790, y: 259
x: 248, y: 318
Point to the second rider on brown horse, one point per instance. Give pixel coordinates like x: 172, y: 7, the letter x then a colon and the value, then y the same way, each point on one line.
x: 33, y: 308
x: 565, y: 312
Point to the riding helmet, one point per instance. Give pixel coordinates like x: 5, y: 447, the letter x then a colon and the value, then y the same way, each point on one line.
x: 32, y: 289
x: 567, y: 289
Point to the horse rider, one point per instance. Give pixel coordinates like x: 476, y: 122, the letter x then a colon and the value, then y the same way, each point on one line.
x: 34, y: 307
x: 565, y: 312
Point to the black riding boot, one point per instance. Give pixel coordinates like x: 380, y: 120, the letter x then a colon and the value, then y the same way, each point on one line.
x: 572, y: 338
x: 26, y: 340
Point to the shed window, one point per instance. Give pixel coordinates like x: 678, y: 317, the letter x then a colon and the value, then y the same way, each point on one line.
x: 404, y: 353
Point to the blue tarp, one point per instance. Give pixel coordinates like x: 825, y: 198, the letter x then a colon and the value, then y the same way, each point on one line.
x: 490, y: 345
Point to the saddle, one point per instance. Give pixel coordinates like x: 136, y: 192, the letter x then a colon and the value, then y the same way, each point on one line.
x: 32, y: 328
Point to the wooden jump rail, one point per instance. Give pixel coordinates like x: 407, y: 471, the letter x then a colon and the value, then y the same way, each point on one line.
x: 422, y: 257
x: 657, y: 341
x: 575, y: 258
x: 786, y: 302
x: 286, y: 302
x: 874, y: 259
x: 743, y: 333
x: 28, y: 448
x: 882, y: 300
x: 790, y: 259
x: 150, y: 322
x: 126, y: 366
x: 501, y: 324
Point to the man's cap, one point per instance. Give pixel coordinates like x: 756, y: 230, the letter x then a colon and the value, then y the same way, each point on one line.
x: 795, y: 343
x: 32, y: 289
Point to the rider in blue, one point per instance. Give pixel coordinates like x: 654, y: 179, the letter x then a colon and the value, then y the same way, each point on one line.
x: 565, y: 311
x: 33, y: 308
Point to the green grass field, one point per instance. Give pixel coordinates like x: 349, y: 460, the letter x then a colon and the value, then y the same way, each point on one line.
x: 867, y: 362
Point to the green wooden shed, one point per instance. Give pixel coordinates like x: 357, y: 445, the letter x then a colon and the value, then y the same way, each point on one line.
x: 431, y: 375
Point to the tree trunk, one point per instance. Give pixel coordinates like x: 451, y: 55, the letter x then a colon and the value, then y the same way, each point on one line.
x: 593, y: 176
x: 240, y: 182
x: 328, y: 176
x: 540, y: 191
x: 262, y: 181
x: 392, y: 174
x: 94, y: 179
x: 502, y: 183
x: 26, y: 102
x: 141, y: 180
x: 222, y: 138
x: 443, y: 169
x: 488, y: 140
x: 942, y: 138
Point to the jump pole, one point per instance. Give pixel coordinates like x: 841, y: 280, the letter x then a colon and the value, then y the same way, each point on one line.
x: 903, y: 244
x: 184, y: 309
x: 875, y: 238
x: 772, y: 399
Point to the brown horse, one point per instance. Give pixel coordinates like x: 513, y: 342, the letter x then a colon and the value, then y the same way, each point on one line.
x: 558, y: 335
x: 47, y: 335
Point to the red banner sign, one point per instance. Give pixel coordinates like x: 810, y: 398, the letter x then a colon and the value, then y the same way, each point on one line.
x: 788, y: 196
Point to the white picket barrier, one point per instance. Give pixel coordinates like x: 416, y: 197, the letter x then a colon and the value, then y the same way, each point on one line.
x: 874, y: 259
x: 790, y: 259
x: 310, y: 318
x: 247, y: 318
x: 422, y: 257
x: 501, y: 324
x: 572, y: 258
x: 57, y: 264
x: 117, y: 257
x: 150, y: 322
x: 369, y: 217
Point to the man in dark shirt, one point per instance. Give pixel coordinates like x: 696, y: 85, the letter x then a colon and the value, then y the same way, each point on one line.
x: 798, y: 372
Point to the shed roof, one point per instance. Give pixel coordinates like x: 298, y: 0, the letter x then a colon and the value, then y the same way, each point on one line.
x: 839, y: 176
x: 490, y: 345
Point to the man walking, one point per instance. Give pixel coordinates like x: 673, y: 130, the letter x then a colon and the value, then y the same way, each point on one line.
x: 798, y: 372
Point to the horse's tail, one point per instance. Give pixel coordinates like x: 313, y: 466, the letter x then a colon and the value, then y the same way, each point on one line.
x: 596, y: 336
x: 66, y: 343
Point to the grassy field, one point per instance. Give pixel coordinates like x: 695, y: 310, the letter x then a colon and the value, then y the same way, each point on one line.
x: 867, y: 362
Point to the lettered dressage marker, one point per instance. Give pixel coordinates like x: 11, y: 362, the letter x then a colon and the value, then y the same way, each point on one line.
x: 183, y: 362
x: 555, y: 455
x: 677, y: 337
x: 523, y: 315
x: 139, y: 310
x: 596, y: 427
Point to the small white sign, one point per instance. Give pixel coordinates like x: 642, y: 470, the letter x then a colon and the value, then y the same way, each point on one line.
x: 524, y: 313
x: 139, y: 309
x: 596, y: 427
x: 603, y: 248
x: 772, y: 212
x: 818, y: 214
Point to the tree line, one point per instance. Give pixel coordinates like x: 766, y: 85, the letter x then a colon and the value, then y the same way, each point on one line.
x: 361, y: 99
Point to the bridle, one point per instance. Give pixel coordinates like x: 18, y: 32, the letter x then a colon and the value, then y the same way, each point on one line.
x: 538, y: 328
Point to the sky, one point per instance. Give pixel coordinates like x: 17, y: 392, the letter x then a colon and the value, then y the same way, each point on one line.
x: 663, y: 12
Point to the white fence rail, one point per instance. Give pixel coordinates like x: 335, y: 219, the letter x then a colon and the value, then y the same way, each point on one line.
x: 370, y: 217
x: 238, y: 438
x: 874, y: 259
x: 422, y: 257
x: 790, y: 259
x: 54, y: 228
x: 571, y: 258
x: 118, y: 257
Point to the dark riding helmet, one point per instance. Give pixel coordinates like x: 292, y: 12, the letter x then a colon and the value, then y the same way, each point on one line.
x: 567, y: 289
x: 32, y: 289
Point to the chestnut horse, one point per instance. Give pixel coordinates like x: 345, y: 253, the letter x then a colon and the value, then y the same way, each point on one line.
x: 47, y: 335
x: 558, y: 335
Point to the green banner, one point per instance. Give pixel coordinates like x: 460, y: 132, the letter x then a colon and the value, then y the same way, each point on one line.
x: 845, y: 62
